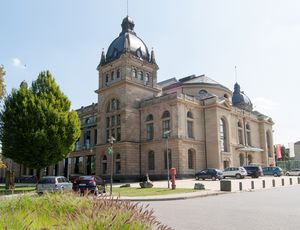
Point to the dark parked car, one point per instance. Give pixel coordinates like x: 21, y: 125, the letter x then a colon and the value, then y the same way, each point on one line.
x: 273, y: 171
x: 93, y: 184
x: 254, y: 171
x: 209, y: 174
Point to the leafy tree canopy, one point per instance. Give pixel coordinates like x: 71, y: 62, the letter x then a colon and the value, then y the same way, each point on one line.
x: 37, y: 127
x: 2, y: 86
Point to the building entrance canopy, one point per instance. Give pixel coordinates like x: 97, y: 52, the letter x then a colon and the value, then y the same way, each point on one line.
x: 249, y: 149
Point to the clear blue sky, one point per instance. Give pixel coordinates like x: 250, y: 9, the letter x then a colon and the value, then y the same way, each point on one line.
x: 260, y: 37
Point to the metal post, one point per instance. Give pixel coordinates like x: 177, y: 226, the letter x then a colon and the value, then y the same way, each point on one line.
x: 166, y: 135
x: 111, y: 141
x: 168, y: 163
x: 111, y: 168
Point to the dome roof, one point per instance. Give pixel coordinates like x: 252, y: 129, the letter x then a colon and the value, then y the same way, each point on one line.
x: 127, y: 41
x: 241, y: 100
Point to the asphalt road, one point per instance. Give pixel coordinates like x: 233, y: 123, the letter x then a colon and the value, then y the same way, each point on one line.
x: 270, y: 209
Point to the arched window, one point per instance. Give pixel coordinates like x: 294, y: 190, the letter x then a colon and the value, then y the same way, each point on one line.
x: 106, y: 79
x: 151, y: 160
x: 250, y: 159
x: 223, y: 135
x: 166, y: 114
x: 149, y: 117
x: 202, y: 91
x: 269, y: 144
x: 118, y: 163
x: 168, y: 159
x: 112, y: 77
x: 226, y: 96
x: 190, y: 124
x: 190, y: 159
x: 189, y: 114
x: 134, y: 73
x: 104, y: 164
x: 248, y: 134
x: 147, y: 79
x: 166, y: 123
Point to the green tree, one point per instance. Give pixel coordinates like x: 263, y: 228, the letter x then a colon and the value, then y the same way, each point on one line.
x: 2, y: 86
x: 2, y: 90
x: 37, y: 127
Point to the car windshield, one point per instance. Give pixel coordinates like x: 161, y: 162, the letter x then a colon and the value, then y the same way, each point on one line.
x: 47, y: 181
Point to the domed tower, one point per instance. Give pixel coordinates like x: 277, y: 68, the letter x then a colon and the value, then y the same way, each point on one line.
x: 127, y: 75
x: 241, y: 100
x: 127, y: 58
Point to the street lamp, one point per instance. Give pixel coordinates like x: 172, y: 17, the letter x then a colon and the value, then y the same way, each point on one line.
x: 166, y: 135
x: 111, y: 152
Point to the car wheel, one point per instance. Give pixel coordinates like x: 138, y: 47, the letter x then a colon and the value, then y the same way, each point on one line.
x: 287, y: 174
x: 275, y: 175
x: 213, y: 178
x: 203, y: 178
x: 238, y: 176
x: 197, y: 178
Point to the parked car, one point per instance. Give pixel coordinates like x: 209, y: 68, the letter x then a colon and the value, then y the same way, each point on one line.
x: 93, y: 184
x: 209, y: 174
x: 53, y: 184
x: 254, y: 171
x: 293, y: 172
x: 273, y: 171
x: 237, y: 172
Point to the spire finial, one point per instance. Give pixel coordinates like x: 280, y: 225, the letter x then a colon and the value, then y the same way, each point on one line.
x: 152, y: 60
x: 103, y: 59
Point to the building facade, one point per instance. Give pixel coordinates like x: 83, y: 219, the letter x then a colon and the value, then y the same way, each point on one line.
x: 189, y: 123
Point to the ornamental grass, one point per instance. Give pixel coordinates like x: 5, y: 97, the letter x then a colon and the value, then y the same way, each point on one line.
x: 70, y: 211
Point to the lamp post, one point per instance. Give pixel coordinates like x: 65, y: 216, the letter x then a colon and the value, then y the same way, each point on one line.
x: 166, y: 135
x: 111, y: 152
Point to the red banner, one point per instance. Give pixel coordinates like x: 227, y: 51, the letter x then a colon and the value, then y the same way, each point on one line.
x: 278, y: 151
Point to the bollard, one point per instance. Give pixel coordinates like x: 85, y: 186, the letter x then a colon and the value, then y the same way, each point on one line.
x: 263, y: 183
x: 282, y: 181
x: 173, y: 174
x: 252, y: 184
x: 241, y: 186
x: 273, y: 183
x: 291, y: 181
x: 298, y: 180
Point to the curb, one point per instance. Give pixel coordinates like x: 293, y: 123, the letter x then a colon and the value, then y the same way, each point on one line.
x: 160, y: 198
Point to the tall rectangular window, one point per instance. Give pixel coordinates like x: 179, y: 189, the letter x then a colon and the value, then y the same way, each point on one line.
x: 95, y: 136
x: 150, y: 131
x: 190, y: 159
x: 166, y: 126
x: 190, y: 129
x: 118, y: 134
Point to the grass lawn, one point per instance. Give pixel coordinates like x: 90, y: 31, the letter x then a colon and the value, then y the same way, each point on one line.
x: 18, y: 189
x: 131, y: 191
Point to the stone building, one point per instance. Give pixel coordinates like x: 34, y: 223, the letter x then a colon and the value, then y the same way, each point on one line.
x: 201, y: 122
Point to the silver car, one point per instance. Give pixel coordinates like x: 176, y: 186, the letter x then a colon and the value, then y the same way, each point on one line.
x: 53, y: 184
x: 237, y: 172
x: 293, y: 172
